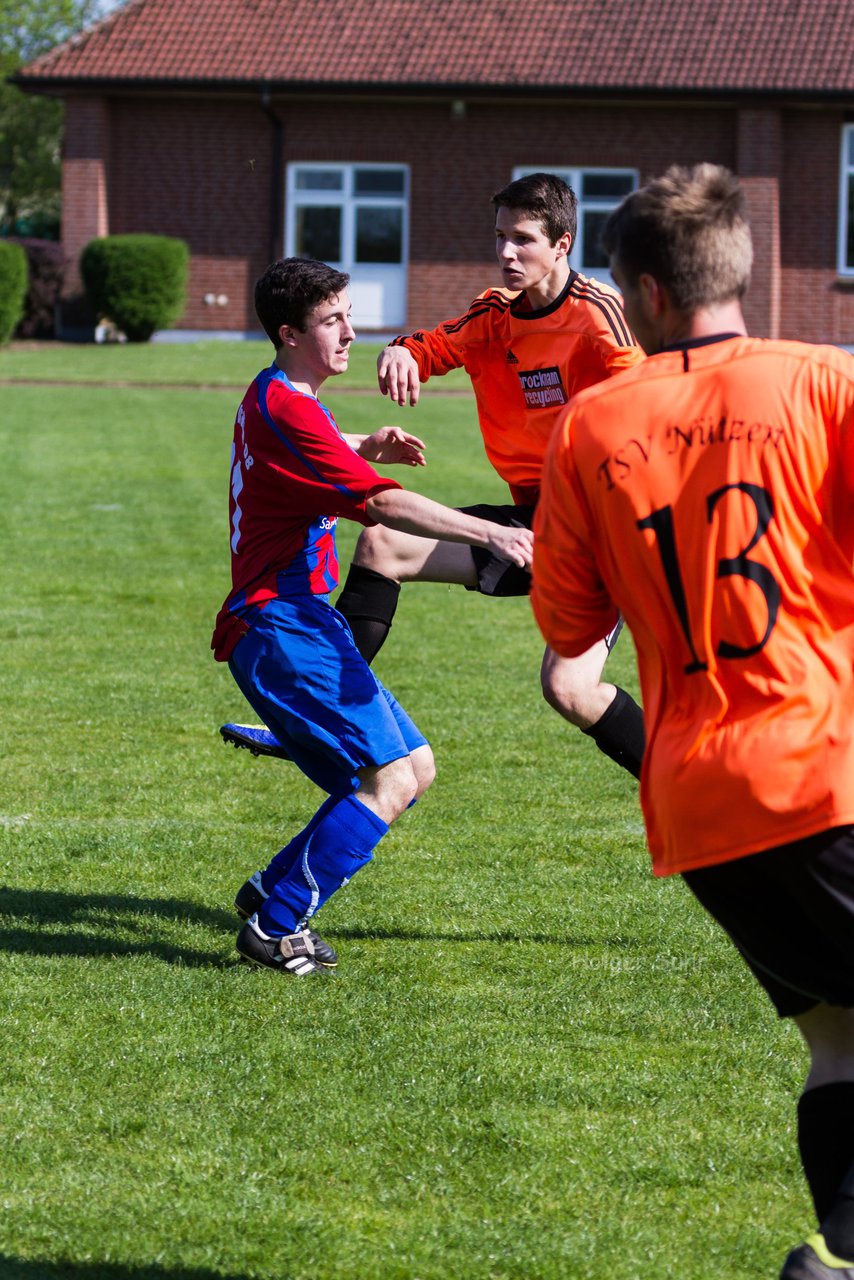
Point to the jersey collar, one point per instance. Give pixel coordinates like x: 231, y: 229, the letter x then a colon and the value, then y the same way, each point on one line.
x: 690, y: 343
x: 521, y: 311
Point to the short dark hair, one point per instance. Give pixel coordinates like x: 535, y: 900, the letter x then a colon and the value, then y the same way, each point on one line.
x: 290, y: 289
x: 546, y: 199
x: 689, y: 231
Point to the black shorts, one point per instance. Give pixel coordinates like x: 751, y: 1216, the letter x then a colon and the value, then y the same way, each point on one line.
x: 790, y: 912
x: 497, y: 577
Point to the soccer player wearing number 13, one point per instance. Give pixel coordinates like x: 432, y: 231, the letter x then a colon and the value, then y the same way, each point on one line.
x: 708, y: 495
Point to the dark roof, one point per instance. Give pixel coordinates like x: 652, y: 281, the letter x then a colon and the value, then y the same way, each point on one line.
x: 773, y: 46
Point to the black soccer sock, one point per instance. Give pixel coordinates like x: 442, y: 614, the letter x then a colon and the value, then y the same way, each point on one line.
x: 619, y: 733
x: 826, y: 1140
x: 837, y: 1226
x: 368, y: 601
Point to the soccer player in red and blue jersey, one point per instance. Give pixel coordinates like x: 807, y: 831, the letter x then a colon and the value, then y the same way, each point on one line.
x: 293, y: 474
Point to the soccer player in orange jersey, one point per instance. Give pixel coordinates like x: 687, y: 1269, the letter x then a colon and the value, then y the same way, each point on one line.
x: 708, y: 495
x: 528, y: 348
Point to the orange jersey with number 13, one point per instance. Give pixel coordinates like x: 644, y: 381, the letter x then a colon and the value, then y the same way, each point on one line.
x: 708, y: 494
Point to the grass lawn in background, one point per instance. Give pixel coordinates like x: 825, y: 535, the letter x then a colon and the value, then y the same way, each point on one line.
x: 214, y: 364
x: 535, y: 1060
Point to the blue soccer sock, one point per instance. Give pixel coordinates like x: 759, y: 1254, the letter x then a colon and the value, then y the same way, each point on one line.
x: 281, y: 864
x: 336, y: 843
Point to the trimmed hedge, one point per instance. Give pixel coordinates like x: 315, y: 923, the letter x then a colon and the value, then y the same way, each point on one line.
x: 139, y: 282
x: 46, y: 265
x: 13, y: 287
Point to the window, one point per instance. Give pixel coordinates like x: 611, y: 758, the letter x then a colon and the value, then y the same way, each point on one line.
x: 598, y: 191
x: 354, y: 216
x: 347, y: 213
x: 846, y: 202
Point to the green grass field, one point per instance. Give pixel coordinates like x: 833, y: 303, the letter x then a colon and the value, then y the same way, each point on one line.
x: 535, y: 1061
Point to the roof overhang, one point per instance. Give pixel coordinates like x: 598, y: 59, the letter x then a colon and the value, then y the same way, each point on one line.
x: 616, y: 93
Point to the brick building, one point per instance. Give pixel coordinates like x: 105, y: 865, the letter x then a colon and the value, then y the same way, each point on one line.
x: 371, y: 133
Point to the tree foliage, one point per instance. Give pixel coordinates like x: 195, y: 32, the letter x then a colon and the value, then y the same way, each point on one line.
x: 13, y: 287
x: 28, y: 28
x: 30, y: 125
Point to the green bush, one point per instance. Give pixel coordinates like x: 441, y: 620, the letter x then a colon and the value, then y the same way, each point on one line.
x: 139, y: 282
x: 13, y: 287
x: 46, y: 271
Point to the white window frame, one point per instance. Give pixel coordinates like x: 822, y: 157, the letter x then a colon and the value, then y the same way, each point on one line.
x: 574, y: 177
x: 846, y: 182
x: 347, y: 200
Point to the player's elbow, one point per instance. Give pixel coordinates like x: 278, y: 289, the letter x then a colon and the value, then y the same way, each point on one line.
x: 383, y: 505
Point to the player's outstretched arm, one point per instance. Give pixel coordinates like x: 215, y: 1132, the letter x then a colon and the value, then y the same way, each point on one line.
x: 413, y: 513
x: 387, y: 445
x: 397, y: 375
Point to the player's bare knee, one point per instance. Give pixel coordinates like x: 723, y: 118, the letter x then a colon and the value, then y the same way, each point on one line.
x: 376, y: 550
x: 828, y: 1028
x: 424, y: 768
x: 564, y: 695
x: 574, y: 687
x: 393, y: 788
x: 829, y: 1033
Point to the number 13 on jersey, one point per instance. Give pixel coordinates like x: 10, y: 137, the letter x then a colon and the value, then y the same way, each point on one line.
x: 661, y: 524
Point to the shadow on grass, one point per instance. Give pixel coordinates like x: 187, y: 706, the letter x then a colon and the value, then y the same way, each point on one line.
x: 38, y: 912
x: 18, y: 1269
x: 377, y: 933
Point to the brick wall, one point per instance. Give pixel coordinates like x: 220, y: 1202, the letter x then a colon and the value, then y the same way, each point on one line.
x: 462, y: 162
x: 84, y: 190
x: 201, y: 169
x: 817, y: 305
x: 758, y: 162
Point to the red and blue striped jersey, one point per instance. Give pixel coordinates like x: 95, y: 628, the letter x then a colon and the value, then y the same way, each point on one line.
x: 292, y: 475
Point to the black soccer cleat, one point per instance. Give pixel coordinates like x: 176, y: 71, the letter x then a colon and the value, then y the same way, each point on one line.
x: 814, y: 1261
x: 292, y: 955
x: 255, y: 738
x: 251, y: 897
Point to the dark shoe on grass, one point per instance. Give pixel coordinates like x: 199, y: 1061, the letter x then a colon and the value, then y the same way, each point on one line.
x: 814, y: 1261
x: 251, y: 897
x: 292, y: 955
x: 255, y: 738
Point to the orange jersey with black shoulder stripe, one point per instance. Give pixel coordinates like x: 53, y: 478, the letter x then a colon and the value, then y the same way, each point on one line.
x: 708, y: 495
x: 526, y: 365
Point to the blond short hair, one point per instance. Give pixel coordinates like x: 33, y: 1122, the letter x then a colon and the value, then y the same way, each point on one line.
x: 688, y: 230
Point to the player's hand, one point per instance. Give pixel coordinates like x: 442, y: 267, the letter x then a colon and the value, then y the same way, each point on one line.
x: 393, y: 444
x: 397, y: 375
x: 515, y: 543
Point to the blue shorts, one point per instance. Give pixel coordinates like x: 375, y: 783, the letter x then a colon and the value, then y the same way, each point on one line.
x: 300, y: 670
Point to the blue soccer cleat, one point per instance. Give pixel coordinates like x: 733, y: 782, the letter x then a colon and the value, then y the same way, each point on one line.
x: 255, y: 738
